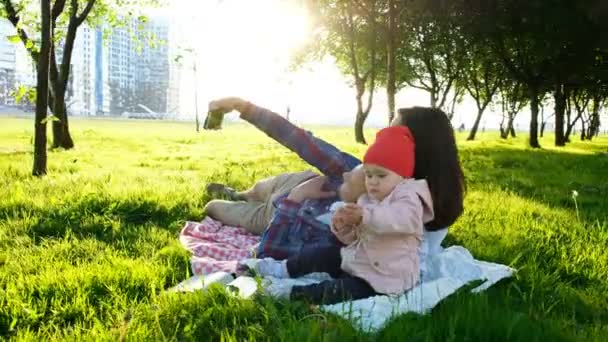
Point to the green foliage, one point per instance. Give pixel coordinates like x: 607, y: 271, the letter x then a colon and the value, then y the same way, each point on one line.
x: 333, y: 36
x: 86, y: 252
x: 105, y: 14
x: 24, y: 94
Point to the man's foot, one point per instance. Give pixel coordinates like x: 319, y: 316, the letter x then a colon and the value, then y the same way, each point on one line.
x: 223, y: 190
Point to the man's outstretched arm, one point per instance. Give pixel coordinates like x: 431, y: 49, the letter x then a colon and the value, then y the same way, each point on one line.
x: 316, y: 152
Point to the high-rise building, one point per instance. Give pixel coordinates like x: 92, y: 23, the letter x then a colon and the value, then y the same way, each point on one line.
x: 7, y: 62
x: 81, y: 97
x: 121, y: 67
x: 133, y: 71
x: 152, y: 82
x: 16, y: 67
x: 138, y: 65
x: 175, y: 50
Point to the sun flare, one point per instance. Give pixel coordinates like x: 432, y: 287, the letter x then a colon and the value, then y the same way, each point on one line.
x: 244, y: 47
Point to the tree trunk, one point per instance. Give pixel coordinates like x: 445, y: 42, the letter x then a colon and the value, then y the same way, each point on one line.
x: 504, y: 133
x: 542, y: 120
x: 542, y: 128
x: 453, y: 104
x: 568, y: 117
x: 359, y: 121
x: 560, y: 108
x: 510, y: 128
x: 198, y: 123
x: 475, y: 125
x: 360, y: 81
x: 583, y: 130
x: 390, y: 59
x: 534, y: 119
x: 594, y: 125
x: 42, y: 90
x: 390, y: 96
x: 61, y: 132
x: 433, y: 95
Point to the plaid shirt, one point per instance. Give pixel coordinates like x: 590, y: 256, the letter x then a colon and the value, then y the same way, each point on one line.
x: 294, y: 226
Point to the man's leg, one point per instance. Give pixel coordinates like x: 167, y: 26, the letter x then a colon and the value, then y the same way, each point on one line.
x: 267, y: 189
x: 249, y: 215
x: 255, y: 212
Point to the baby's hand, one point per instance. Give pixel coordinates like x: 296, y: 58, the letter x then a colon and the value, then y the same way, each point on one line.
x: 337, y: 223
x: 351, y: 214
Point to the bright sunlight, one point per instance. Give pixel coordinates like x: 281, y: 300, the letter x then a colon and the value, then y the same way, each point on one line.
x: 244, y: 48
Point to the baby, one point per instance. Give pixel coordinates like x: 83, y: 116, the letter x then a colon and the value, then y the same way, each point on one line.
x: 381, y: 233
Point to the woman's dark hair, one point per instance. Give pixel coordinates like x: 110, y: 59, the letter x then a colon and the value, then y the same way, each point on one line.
x: 437, y: 162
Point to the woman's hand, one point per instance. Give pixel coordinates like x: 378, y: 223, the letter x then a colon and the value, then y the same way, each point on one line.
x: 311, y: 189
x: 350, y: 214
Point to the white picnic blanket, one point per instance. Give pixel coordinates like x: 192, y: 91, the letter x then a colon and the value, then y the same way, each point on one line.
x: 444, y: 272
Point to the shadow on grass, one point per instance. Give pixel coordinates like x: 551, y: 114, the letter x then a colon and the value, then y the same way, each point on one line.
x: 546, y: 283
x: 546, y: 176
x: 467, y: 317
x: 114, y: 222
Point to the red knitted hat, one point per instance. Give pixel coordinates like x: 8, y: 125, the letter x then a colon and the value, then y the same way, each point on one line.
x: 393, y: 150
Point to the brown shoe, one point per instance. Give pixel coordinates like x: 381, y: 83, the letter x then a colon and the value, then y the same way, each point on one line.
x: 222, y: 190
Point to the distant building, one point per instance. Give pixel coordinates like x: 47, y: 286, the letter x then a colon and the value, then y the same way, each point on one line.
x: 85, y: 92
x: 138, y: 66
x: 132, y: 70
x: 16, y: 67
x: 7, y: 62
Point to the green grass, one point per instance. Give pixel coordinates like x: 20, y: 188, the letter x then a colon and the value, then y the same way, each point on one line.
x: 87, y: 252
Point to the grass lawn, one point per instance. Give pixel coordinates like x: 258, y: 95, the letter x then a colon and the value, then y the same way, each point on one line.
x: 87, y: 252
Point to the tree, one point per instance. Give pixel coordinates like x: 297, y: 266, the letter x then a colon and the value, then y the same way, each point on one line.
x: 58, y: 74
x: 392, y: 32
x: 64, y: 27
x: 350, y: 32
x: 42, y: 89
x: 430, y: 53
x: 542, y: 44
x: 481, y: 77
x: 599, y: 98
x: 543, y: 119
x: 513, y: 99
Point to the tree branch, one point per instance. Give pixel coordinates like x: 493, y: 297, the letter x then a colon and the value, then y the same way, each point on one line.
x: 13, y: 16
x: 83, y: 16
x: 351, y: 43
x: 68, y: 48
x: 57, y: 10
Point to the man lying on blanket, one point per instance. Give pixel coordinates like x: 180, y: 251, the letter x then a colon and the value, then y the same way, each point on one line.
x: 287, y: 209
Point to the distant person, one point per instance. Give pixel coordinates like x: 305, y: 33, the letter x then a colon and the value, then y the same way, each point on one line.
x: 381, y: 232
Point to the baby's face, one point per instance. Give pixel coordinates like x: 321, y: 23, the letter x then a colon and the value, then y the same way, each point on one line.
x: 380, y: 181
x: 353, y: 186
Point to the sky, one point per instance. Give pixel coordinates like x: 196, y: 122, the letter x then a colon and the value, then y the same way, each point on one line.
x: 244, y: 47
